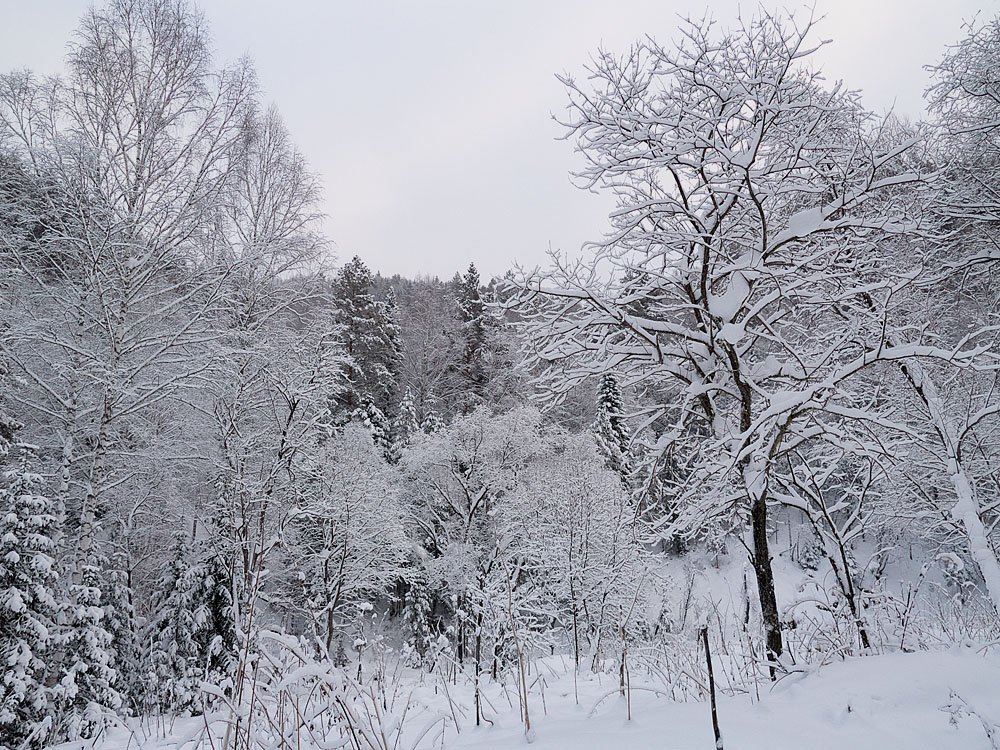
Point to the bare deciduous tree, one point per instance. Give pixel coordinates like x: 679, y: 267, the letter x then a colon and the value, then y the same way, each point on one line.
x: 742, y: 283
x: 133, y: 150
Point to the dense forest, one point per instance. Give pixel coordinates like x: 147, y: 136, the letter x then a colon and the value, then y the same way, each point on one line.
x: 263, y: 489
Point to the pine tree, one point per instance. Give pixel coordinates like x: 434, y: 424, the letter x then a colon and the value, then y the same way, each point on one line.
x: 173, y: 682
x: 120, y: 622
x: 609, y: 428
x: 376, y: 423
x: 210, y: 592
x: 27, y: 607
x: 472, y: 313
x: 369, y: 334
x: 87, y: 687
x: 432, y: 423
x: 193, y: 638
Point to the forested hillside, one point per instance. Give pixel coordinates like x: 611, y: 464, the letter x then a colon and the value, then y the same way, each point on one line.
x: 258, y: 495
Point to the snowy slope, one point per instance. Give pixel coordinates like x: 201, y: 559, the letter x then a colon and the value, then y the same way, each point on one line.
x: 875, y: 703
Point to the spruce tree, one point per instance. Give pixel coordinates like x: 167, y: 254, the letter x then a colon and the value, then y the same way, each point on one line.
x: 388, y: 314
x: 209, y: 587
x: 404, y: 426
x: 86, y: 690
x: 369, y: 335
x: 406, y: 423
x: 609, y: 428
x: 376, y: 423
x: 483, y: 363
x: 472, y: 313
x: 173, y: 681
x: 120, y: 622
x: 432, y: 423
x: 27, y: 608
x: 417, y: 611
x: 193, y: 638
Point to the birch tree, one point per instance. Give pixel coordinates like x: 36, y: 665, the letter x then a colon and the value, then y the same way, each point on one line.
x: 274, y: 362
x: 133, y: 149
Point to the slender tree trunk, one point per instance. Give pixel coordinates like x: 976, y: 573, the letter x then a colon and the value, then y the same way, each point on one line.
x: 966, y: 510
x: 765, y: 582
x: 68, y: 452
x: 841, y: 564
x: 461, y: 632
x: 478, y: 667
x: 576, y: 637
x: 711, y: 691
x: 88, y: 514
x: 754, y: 470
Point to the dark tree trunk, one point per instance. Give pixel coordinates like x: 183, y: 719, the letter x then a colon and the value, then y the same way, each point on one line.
x: 711, y: 691
x: 765, y: 582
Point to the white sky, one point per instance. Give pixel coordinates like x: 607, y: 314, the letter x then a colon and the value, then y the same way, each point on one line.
x: 430, y: 122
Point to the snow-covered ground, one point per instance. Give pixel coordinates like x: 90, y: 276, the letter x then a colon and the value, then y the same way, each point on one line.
x: 875, y: 703
x: 922, y: 700
x: 917, y: 701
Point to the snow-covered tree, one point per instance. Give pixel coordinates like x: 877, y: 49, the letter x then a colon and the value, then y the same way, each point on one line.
x: 389, y: 319
x: 167, y: 639
x: 460, y: 473
x: 369, y: 334
x: 406, y: 423
x: 418, y: 615
x: 208, y: 587
x: 346, y: 538
x: 374, y: 420
x: 571, y: 527
x: 8, y: 425
x: 432, y: 422
x: 87, y: 686
x: 960, y: 411
x: 483, y: 361
x: 837, y: 493
x: 120, y: 622
x: 746, y: 275
x: 134, y: 147
x: 192, y: 637
x: 276, y: 365
x: 472, y: 313
x: 965, y: 99
x: 610, y: 430
x: 429, y: 334
x: 28, y: 606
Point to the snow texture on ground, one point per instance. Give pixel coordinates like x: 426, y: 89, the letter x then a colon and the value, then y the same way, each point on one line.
x: 919, y: 701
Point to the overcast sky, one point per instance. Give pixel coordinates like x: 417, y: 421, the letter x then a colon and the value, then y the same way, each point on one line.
x: 430, y: 122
